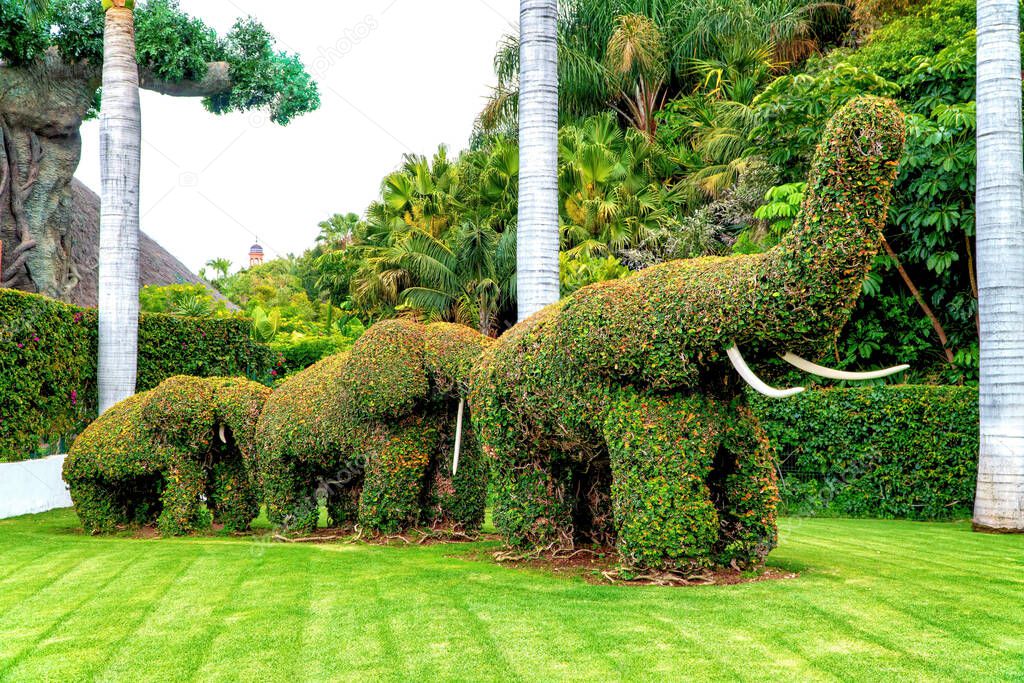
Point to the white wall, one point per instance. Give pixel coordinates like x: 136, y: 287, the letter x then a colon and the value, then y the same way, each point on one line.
x: 32, y: 486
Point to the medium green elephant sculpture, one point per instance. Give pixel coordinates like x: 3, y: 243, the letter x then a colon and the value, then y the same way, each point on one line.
x: 376, y: 433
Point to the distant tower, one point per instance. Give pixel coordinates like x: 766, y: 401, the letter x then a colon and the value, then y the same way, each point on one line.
x: 255, y: 255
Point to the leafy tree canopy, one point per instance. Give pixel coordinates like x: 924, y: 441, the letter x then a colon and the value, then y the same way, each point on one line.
x: 173, y: 49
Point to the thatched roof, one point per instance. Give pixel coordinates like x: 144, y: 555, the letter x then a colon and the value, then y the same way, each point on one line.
x: 158, y: 267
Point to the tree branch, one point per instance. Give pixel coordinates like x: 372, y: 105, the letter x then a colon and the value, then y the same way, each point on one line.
x: 216, y: 81
x: 936, y: 325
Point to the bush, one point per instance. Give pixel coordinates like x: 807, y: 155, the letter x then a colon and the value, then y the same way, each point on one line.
x: 179, y: 456
x: 303, y: 353
x: 48, y: 363
x: 47, y: 371
x: 373, y: 430
x: 886, y: 451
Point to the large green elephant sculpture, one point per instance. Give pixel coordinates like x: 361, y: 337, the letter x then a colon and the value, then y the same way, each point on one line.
x: 615, y: 415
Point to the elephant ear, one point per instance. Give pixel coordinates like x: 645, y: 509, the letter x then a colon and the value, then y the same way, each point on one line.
x: 450, y: 351
x: 238, y: 404
x: 385, y: 373
x: 116, y: 444
x: 180, y: 413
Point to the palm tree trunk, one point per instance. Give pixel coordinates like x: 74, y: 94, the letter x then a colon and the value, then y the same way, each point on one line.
x: 999, y: 502
x: 537, y: 237
x: 120, y: 153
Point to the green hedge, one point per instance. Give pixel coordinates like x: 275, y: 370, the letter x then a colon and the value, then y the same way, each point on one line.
x: 48, y: 363
x: 305, y: 353
x: 886, y: 451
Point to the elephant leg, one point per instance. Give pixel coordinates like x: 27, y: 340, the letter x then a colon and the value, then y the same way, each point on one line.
x: 750, y: 494
x: 396, y: 470
x: 97, y: 506
x: 183, y: 507
x: 593, y: 517
x: 104, y: 506
x: 343, y: 501
x: 662, y: 450
x: 289, y: 491
x: 232, y: 496
x: 532, y: 497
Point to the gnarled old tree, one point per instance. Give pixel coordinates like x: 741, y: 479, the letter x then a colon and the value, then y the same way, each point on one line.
x: 50, y: 73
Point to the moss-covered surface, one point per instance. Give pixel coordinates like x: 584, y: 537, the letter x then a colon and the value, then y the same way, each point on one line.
x: 373, y: 432
x: 158, y: 457
x: 625, y: 388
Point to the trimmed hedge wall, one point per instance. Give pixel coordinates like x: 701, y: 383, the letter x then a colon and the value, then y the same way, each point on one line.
x: 884, y: 451
x: 48, y: 363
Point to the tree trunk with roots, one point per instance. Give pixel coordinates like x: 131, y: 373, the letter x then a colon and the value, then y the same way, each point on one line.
x: 538, y: 238
x: 120, y: 162
x: 42, y: 107
x: 999, y: 502
x: 41, y: 112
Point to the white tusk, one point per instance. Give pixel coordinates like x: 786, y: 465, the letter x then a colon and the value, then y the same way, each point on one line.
x: 820, y: 371
x: 458, y: 438
x: 223, y: 438
x: 753, y: 380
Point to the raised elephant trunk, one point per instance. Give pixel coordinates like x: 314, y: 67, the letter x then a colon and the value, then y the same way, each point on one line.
x: 668, y: 327
x: 821, y: 264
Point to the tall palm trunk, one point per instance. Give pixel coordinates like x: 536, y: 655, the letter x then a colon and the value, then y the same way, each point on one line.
x: 120, y: 150
x: 537, y: 243
x: 999, y: 503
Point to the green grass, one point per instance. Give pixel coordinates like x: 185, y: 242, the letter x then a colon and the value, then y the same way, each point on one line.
x: 876, y: 600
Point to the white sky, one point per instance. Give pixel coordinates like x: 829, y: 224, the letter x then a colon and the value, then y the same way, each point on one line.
x: 395, y: 76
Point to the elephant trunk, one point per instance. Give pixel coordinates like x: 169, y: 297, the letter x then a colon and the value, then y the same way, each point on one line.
x: 811, y: 281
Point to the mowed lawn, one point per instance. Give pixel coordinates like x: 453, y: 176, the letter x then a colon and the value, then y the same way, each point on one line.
x: 875, y: 600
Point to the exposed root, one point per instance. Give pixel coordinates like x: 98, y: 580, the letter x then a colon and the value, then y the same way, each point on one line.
x: 446, y: 535
x: 568, y: 554
x: 348, y: 538
x: 513, y: 556
x: 659, y: 578
x: 414, y: 537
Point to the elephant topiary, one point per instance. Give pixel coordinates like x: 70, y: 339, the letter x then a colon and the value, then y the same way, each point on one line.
x: 373, y: 432
x: 613, y: 416
x: 180, y: 456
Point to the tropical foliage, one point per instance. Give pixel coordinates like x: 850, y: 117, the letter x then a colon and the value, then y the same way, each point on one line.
x: 687, y: 130
x: 633, y: 55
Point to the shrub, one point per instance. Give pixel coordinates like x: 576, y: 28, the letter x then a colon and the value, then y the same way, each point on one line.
x: 886, y: 451
x: 372, y: 431
x: 306, y: 352
x: 195, y: 298
x: 48, y: 363
x: 156, y: 456
x: 47, y: 371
